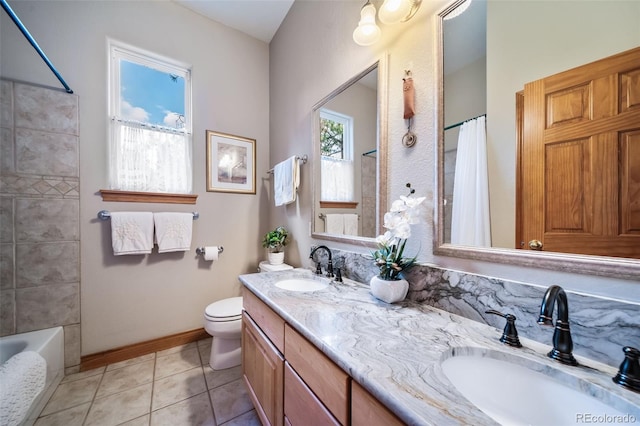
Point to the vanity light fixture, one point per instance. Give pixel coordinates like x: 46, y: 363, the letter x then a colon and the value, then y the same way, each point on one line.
x: 367, y: 31
x: 459, y: 10
x: 394, y: 11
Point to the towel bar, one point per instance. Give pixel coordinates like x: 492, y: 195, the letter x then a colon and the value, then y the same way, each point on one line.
x: 302, y: 158
x: 324, y: 216
x: 106, y: 215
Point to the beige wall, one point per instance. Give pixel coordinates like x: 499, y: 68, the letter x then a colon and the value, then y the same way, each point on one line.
x: 312, y: 54
x: 128, y: 299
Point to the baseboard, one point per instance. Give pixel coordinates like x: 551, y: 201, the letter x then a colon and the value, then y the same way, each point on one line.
x: 89, y: 362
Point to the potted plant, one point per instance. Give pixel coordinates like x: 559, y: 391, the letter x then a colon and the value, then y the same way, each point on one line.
x: 389, y: 285
x: 275, y: 241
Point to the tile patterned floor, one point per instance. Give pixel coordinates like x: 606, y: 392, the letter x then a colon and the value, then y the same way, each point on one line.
x: 175, y: 387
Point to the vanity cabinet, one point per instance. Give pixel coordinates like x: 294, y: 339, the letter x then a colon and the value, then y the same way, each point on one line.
x: 291, y: 382
x: 367, y: 410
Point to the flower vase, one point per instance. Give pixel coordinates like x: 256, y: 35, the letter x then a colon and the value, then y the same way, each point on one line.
x: 276, y: 258
x: 389, y: 291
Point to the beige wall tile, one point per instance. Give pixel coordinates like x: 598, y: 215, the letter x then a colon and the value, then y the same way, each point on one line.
x: 40, y: 220
x: 46, y: 153
x: 45, y: 109
x: 7, y: 149
x: 6, y: 103
x: 48, y: 306
x: 6, y: 266
x: 7, y: 312
x: 47, y: 263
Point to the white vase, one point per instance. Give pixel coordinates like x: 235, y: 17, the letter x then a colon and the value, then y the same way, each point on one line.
x: 276, y: 258
x: 389, y: 291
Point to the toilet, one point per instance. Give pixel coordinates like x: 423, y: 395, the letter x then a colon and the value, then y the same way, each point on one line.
x: 223, y: 321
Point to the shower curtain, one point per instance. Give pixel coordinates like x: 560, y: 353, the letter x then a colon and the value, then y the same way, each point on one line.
x: 470, y: 221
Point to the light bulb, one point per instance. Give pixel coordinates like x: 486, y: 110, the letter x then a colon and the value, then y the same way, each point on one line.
x: 367, y: 31
x: 394, y: 11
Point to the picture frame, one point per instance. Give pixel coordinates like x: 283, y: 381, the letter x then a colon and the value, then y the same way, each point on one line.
x: 231, y: 163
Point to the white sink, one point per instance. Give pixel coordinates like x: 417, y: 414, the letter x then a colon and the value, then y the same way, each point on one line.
x: 302, y: 284
x: 513, y: 394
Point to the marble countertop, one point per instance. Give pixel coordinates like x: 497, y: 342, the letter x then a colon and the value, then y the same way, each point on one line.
x: 395, y: 350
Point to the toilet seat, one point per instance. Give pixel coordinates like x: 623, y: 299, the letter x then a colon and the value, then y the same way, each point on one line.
x: 224, y: 310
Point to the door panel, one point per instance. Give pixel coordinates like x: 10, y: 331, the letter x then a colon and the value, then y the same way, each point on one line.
x: 581, y: 159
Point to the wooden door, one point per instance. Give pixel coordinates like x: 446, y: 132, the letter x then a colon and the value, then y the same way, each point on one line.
x: 581, y: 159
x: 263, y: 372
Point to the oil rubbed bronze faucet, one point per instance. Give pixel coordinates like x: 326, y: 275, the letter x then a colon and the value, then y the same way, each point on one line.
x: 329, y: 262
x: 562, y: 342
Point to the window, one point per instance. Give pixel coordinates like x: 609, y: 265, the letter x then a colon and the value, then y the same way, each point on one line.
x: 150, y: 122
x: 336, y: 146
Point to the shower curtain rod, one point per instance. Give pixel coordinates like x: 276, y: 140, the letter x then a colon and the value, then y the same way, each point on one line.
x: 26, y: 33
x: 462, y: 122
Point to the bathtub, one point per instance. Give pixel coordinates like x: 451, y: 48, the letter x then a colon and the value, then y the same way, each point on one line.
x: 49, y: 343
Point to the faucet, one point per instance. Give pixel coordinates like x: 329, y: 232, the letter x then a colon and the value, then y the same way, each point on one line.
x: 329, y: 263
x: 562, y: 342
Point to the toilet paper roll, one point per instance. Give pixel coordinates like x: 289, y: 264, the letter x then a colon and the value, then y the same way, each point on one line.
x: 211, y: 253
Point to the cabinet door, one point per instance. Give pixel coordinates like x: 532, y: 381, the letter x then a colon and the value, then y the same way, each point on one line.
x: 301, y: 406
x: 368, y: 411
x: 263, y: 371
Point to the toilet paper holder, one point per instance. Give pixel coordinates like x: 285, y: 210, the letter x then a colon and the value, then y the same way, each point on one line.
x: 200, y: 250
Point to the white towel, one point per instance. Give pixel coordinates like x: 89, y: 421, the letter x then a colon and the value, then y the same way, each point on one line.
x: 22, y: 378
x: 286, y: 179
x: 173, y: 231
x: 350, y: 223
x: 131, y: 232
x: 334, y: 224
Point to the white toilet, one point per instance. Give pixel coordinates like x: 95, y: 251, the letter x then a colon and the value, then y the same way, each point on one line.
x: 223, y: 321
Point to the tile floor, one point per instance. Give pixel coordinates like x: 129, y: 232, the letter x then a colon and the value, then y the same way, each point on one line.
x: 175, y: 387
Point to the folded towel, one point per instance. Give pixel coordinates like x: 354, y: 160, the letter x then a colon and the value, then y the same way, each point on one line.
x: 22, y: 378
x: 334, y: 224
x: 350, y: 223
x: 131, y: 232
x: 173, y: 231
x: 286, y: 179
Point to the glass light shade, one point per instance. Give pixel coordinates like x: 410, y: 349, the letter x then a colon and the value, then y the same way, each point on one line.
x: 458, y: 10
x: 394, y: 11
x: 367, y: 31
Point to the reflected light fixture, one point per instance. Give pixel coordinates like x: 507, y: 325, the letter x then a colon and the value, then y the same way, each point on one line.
x: 367, y: 31
x: 459, y: 10
x: 394, y: 11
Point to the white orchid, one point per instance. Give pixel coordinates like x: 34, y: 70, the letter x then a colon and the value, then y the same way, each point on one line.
x: 389, y: 258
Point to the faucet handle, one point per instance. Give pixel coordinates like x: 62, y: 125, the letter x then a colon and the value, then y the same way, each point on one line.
x: 629, y: 373
x: 338, y: 275
x: 510, y: 333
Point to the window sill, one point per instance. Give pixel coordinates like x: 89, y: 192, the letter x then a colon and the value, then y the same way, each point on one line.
x: 338, y: 204
x: 147, y: 197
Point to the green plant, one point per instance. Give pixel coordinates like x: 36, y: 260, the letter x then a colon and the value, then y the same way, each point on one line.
x: 275, y: 240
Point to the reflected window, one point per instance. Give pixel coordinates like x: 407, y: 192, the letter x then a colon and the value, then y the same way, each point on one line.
x: 336, y: 148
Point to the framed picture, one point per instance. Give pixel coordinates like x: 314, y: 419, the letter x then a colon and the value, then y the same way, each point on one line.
x: 231, y: 163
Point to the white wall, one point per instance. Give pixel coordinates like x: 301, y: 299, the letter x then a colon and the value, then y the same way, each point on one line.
x: 130, y: 299
x: 312, y: 54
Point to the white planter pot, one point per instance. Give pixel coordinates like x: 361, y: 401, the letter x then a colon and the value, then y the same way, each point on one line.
x: 389, y: 291
x: 276, y: 258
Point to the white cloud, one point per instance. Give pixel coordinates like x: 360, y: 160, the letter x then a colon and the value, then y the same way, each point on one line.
x: 172, y: 119
x: 130, y: 112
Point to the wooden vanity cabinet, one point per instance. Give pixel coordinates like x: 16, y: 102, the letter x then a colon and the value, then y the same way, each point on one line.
x: 301, y: 405
x: 262, y: 360
x: 368, y: 411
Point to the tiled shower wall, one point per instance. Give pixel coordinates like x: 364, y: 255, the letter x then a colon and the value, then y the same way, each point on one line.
x: 39, y: 213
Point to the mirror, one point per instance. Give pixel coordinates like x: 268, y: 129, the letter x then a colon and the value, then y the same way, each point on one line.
x: 523, y: 42
x: 349, y: 159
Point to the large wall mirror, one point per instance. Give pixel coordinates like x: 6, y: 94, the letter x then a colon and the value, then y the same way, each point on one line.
x: 490, y: 50
x: 349, y: 159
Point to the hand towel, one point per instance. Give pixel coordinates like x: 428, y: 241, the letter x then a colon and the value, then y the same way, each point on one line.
x: 22, y: 378
x: 334, y: 224
x: 173, y: 231
x: 350, y: 223
x: 131, y: 232
x: 286, y: 179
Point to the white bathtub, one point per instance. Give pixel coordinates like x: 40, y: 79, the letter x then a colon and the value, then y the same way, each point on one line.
x: 49, y: 343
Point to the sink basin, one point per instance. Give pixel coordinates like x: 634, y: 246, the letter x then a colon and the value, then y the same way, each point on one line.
x: 302, y: 284
x: 512, y: 394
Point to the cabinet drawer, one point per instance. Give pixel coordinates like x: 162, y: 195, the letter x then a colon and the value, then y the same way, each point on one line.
x: 301, y: 406
x: 262, y: 368
x: 368, y: 411
x: 324, y: 378
x: 271, y: 323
